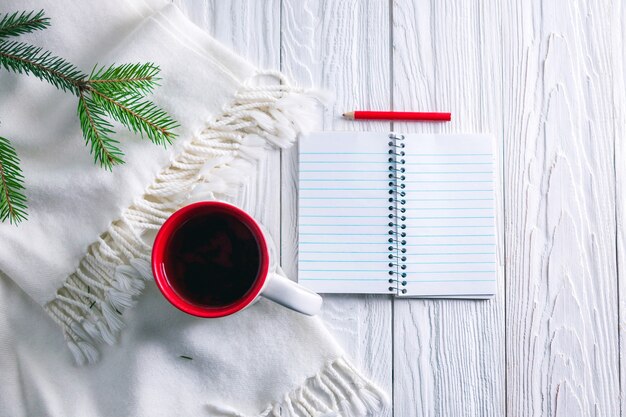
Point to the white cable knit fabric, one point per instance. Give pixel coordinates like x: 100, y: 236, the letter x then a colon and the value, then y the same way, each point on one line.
x: 84, y: 253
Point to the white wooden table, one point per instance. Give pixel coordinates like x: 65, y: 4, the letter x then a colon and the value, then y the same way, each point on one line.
x: 547, y: 78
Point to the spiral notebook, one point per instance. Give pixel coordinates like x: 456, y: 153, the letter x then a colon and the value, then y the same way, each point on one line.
x: 410, y: 215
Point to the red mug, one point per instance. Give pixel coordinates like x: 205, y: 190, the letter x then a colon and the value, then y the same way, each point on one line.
x: 267, y: 283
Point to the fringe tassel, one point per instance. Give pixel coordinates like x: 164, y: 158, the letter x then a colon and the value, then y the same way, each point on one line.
x: 213, y: 164
x: 351, y: 395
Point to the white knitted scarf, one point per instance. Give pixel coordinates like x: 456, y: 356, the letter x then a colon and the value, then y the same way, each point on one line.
x: 84, y: 252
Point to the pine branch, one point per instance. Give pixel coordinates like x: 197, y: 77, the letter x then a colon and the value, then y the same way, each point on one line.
x: 138, y: 115
x: 12, y: 201
x: 134, y: 78
x: 115, y: 92
x: 96, y: 131
x: 28, y: 59
x: 22, y: 22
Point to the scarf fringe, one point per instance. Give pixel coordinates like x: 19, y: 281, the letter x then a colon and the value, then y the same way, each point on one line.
x: 338, y: 390
x: 212, y: 165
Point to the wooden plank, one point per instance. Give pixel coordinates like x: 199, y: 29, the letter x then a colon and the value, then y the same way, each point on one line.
x: 560, y: 61
x: 618, y: 29
x: 252, y: 29
x: 342, y: 47
x: 449, y: 354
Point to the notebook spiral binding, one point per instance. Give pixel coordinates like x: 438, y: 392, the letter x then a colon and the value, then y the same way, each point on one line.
x: 397, y: 215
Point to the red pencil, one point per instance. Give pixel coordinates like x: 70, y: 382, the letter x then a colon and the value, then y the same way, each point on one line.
x: 398, y: 115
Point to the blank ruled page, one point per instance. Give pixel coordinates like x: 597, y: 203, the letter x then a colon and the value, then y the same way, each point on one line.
x: 450, y: 209
x: 343, y: 208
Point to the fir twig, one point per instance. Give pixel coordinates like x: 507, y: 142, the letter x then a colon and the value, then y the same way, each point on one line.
x: 116, y: 91
x: 19, y: 23
x: 138, y: 115
x: 96, y: 131
x: 12, y: 201
x: 133, y: 78
x: 28, y: 59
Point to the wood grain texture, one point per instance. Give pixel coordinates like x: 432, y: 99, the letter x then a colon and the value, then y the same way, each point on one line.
x: 562, y: 306
x: 449, y: 355
x: 343, y: 47
x: 548, y: 80
x: 618, y: 68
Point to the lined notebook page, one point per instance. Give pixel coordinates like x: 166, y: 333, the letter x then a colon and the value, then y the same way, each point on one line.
x: 343, y: 212
x: 450, y: 226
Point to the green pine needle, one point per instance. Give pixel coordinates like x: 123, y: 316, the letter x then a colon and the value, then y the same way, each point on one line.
x: 28, y: 59
x: 133, y: 78
x: 97, y: 132
x: 138, y: 115
x: 12, y: 200
x: 22, y: 22
x: 115, y: 92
